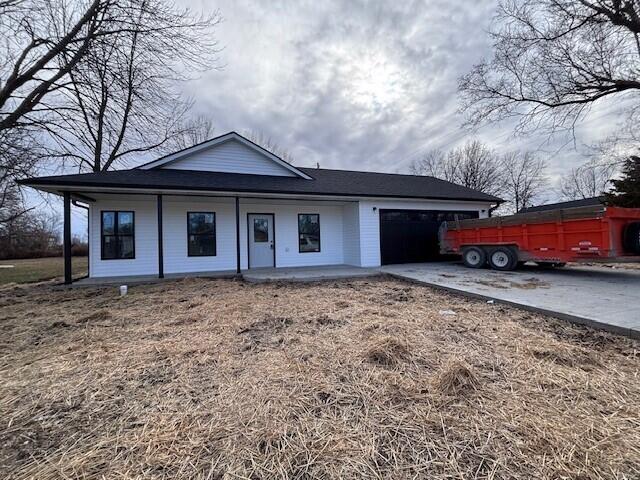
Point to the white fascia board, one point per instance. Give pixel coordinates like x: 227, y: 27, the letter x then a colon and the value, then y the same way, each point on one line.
x: 57, y: 190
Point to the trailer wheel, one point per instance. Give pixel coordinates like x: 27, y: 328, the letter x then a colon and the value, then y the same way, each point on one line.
x: 474, y: 257
x: 631, y: 238
x: 503, y: 258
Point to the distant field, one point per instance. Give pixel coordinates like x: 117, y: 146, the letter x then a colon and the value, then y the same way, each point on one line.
x: 38, y: 269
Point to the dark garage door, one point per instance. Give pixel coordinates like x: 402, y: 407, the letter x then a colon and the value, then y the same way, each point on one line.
x: 411, y: 236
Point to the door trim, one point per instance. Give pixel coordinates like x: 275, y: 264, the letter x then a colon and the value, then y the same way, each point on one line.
x: 273, y: 221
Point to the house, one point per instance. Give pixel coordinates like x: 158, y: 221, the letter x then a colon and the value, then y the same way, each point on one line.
x: 227, y: 205
x: 582, y: 202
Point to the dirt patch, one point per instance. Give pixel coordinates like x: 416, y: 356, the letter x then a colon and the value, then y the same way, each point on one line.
x: 612, y: 266
x: 265, y: 333
x: 530, y: 284
x: 354, y: 379
x: 504, y: 284
x: 388, y: 351
x: 97, y: 316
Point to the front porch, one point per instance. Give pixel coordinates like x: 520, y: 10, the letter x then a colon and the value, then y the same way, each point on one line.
x: 160, y: 238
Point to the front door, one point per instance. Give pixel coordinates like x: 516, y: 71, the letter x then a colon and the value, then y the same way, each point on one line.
x: 261, y: 240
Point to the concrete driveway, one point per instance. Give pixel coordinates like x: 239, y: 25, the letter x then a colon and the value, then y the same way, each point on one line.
x: 597, y: 296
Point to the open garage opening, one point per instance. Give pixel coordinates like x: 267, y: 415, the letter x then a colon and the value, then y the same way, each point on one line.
x: 411, y: 236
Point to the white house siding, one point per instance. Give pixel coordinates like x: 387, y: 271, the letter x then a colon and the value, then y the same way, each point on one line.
x: 230, y: 157
x: 146, y: 237
x: 286, y: 231
x: 351, y: 233
x: 174, y: 228
x: 370, y: 221
x: 176, y: 259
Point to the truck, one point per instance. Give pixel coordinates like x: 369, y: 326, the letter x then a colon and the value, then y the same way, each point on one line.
x: 549, y: 238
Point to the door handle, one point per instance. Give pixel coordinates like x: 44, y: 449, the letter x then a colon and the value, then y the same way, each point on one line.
x: 271, y: 245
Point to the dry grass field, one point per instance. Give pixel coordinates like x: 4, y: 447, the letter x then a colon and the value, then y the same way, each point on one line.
x: 371, y: 378
x: 29, y: 270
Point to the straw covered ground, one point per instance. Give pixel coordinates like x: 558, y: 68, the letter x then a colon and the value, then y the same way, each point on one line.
x: 371, y: 378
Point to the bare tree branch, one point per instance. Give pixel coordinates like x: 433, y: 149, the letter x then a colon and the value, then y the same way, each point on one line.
x: 587, y: 181
x: 525, y: 179
x: 473, y: 165
x: 552, y: 60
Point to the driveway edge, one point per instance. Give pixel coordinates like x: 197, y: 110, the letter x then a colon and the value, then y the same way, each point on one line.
x: 575, y: 319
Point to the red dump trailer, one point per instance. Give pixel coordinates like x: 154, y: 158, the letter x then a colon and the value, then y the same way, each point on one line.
x: 549, y: 238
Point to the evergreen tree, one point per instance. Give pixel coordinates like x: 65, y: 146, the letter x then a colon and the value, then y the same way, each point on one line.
x: 626, y: 190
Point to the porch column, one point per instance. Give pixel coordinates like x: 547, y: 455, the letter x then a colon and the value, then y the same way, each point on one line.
x: 160, y: 252
x: 66, y: 238
x: 238, y: 235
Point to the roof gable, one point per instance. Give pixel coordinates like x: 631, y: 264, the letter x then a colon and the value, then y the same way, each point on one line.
x: 229, y: 153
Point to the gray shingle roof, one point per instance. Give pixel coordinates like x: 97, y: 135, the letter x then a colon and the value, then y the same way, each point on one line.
x: 325, y: 182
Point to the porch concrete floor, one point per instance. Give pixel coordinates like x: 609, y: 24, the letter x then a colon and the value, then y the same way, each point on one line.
x: 307, y: 274
x: 291, y: 274
x: 139, y: 279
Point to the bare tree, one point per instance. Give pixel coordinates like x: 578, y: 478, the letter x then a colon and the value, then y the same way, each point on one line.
x: 122, y: 97
x: 587, y: 181
x: 99, y: 76
x: 45, y: 39
x: 194, y: 131
x: 266, y: 142
x: 430, y: 164
x: 553, y: 59
x: 32, y: 234
x: 19, y: 155
x: 472, y: 165
x: 525, y: 179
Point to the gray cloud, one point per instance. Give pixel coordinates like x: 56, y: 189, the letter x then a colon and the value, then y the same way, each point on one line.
x: 357, y: 84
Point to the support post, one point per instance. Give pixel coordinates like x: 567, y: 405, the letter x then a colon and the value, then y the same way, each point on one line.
x: 237, y: 235
x: 160, y: 252
x: 66, y: 238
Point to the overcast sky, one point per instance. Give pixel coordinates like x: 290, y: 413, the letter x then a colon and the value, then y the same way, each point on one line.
x: 355, y: 84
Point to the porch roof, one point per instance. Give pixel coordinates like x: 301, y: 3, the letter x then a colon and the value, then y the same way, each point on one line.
x: 343, y: 183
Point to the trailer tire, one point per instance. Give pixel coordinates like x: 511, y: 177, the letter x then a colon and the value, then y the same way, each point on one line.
x: 474, y: 257
x: 503, y: 258
x: 631, y: 238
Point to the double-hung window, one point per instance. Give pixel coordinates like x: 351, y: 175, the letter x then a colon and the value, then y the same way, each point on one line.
x: 308, y: 232
x: 117, y: 235
x: 201, y: 234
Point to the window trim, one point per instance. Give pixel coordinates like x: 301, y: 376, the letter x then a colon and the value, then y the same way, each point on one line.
x: 215, y: 235
x: 115, y: 234
x: 319, y: 234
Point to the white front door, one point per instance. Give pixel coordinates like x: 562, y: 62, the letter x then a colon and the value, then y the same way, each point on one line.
x: 261, y: 240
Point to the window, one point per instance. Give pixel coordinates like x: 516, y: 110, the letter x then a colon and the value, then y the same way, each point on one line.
x: 260, y: 230
x: 201, y: 234
x: 117, y: 235
x: 308, y: 232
